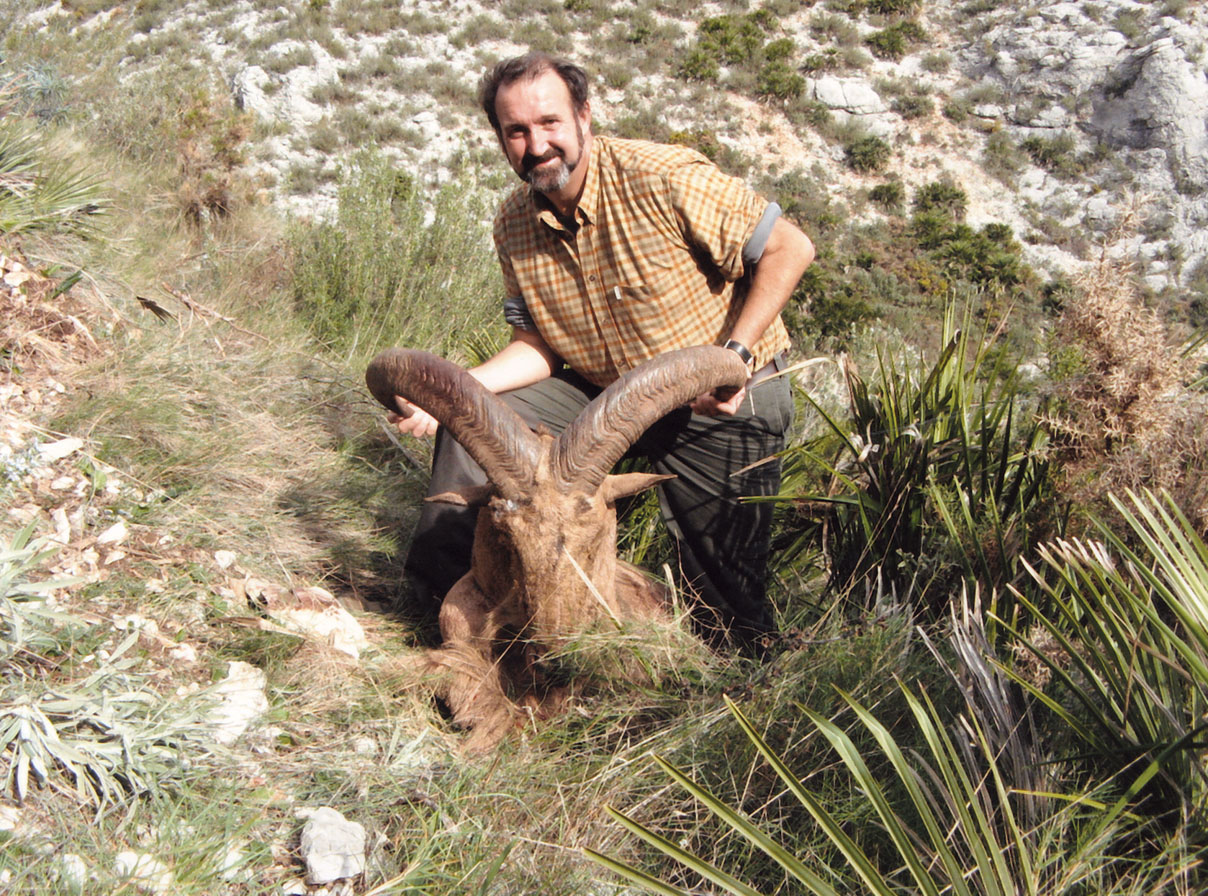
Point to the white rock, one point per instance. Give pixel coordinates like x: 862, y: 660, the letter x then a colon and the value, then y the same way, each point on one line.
x: 224, y: 559
x: 242, y: 701
x: 233, y: 865
x: 62, y: 525
x: 115, y: 534
x: 147, y: 873
x: 332, y: 847
x: 854, y: 95
x: 52, y: 451
x: 331, y: 625
x: 71, y: 873
x: 183, y: 653
x: 10, y: 818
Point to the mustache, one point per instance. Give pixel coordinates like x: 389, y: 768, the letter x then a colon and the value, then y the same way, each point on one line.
x: 529, y: 162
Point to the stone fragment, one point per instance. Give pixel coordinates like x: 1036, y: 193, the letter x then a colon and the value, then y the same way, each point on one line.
x: 332, y: 847
x: 115, y: 534
x: 147, y: 873
x: 241, y: 701
x: 52, y: 451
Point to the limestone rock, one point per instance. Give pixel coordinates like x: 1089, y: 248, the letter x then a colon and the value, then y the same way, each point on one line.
x: 1159, y: 98
x: 332, y: 847
x: 241, y: 701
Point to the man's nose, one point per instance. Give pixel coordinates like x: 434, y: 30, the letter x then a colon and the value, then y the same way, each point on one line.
x: 537, y: 144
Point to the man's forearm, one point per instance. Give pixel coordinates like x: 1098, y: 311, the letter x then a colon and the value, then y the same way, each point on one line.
x: 523, y: 361
x: 787, y: 254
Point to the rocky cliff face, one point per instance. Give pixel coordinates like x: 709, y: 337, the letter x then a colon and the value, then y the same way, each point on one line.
x: 1107, y: 99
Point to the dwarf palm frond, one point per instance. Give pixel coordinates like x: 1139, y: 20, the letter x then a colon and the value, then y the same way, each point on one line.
x: 39, y: 192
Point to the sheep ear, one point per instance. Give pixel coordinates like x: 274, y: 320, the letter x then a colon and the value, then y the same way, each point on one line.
x: 475, y: 496
x: 625, y: 484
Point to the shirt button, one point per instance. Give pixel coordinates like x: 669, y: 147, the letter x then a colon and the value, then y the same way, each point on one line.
x: 592, y: 278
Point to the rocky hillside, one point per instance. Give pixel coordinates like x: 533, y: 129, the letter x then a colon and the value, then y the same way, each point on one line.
x: 1050, y: 117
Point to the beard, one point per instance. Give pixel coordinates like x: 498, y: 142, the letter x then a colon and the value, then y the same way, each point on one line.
x: 549, y: 179
x: 552, y: 178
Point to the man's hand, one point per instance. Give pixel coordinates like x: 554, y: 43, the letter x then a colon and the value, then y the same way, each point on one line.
x: 412, y: 420
x: 711, y: 405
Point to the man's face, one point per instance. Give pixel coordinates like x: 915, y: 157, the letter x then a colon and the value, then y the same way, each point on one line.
x: 543, y: 138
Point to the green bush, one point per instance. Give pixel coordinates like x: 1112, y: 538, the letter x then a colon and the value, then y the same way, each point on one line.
x: 867, y: 155
x: 1055, y: 154
x: 889, y: 196
x: 698, y: 64
x: 936, y: 475
x: 778, y: 80
x: 913, y: 106
x: 893, y: 42
x: 730, y: 39
x: 893, y: 7
x: 944, y: 197
x: 395, y: 265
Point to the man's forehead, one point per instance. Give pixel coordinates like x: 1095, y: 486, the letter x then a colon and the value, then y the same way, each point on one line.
x: 547, y: 88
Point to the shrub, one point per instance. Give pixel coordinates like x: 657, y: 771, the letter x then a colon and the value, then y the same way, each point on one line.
x: 381, y: 274
x: 730, y: 39
x: 936, y: 63
x: 957, y: 110
x: 888, y: 43
x: 1124, y: 416
x: 1055, y: 154
x: 942, y: 196
x: 893, y: 42
x: 1002, y: 158
x: 867, y: 154
x: 913, y: 106
x: 211, y: 152
x: 698, y: 64
x: 933, y: 453
x: 826, y: 61
x: 889, y: 196
x: 892, y: 7
x: 778, y: 80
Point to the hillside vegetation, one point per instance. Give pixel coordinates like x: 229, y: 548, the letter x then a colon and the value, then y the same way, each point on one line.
x: 991, y: 571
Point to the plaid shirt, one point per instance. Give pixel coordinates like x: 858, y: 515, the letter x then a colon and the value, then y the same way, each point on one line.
x: 653, y: 260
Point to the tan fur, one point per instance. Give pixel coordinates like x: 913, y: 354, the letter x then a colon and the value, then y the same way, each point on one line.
x: 526, y: 594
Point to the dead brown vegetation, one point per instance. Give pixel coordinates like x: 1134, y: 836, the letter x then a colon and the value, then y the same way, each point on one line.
x: 1125, y: 418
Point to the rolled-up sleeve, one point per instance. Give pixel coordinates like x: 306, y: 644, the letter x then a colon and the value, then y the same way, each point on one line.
x: 718, y: 213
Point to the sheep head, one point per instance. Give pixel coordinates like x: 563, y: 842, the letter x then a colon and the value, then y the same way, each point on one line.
x: 544, y: 559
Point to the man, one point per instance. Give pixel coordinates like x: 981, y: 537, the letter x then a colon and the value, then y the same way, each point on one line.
x: 614, y: 252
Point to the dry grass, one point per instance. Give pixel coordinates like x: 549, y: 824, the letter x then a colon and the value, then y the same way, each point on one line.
x: 1126, y: 418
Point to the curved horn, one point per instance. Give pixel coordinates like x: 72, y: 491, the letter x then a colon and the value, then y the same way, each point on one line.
x: 600, y: 436
x: 490, y: 431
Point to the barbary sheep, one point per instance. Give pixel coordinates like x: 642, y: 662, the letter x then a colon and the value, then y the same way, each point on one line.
x: 544, y: 568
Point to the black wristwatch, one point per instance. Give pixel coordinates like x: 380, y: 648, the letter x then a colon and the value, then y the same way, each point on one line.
x: 742, y: 351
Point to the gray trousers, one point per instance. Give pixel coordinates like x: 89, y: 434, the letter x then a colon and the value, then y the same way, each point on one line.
x: 721, y: 542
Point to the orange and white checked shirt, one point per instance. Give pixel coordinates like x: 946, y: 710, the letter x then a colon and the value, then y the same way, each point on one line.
x: 653, y: 260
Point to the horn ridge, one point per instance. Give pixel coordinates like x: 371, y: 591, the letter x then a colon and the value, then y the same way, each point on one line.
x: 590, y: 447
x: 490, y: 431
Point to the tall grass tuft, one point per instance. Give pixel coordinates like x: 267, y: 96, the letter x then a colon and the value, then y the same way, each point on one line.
x: 397, y: 266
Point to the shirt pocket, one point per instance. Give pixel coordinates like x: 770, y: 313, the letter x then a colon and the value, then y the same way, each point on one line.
x: 644, y: 314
